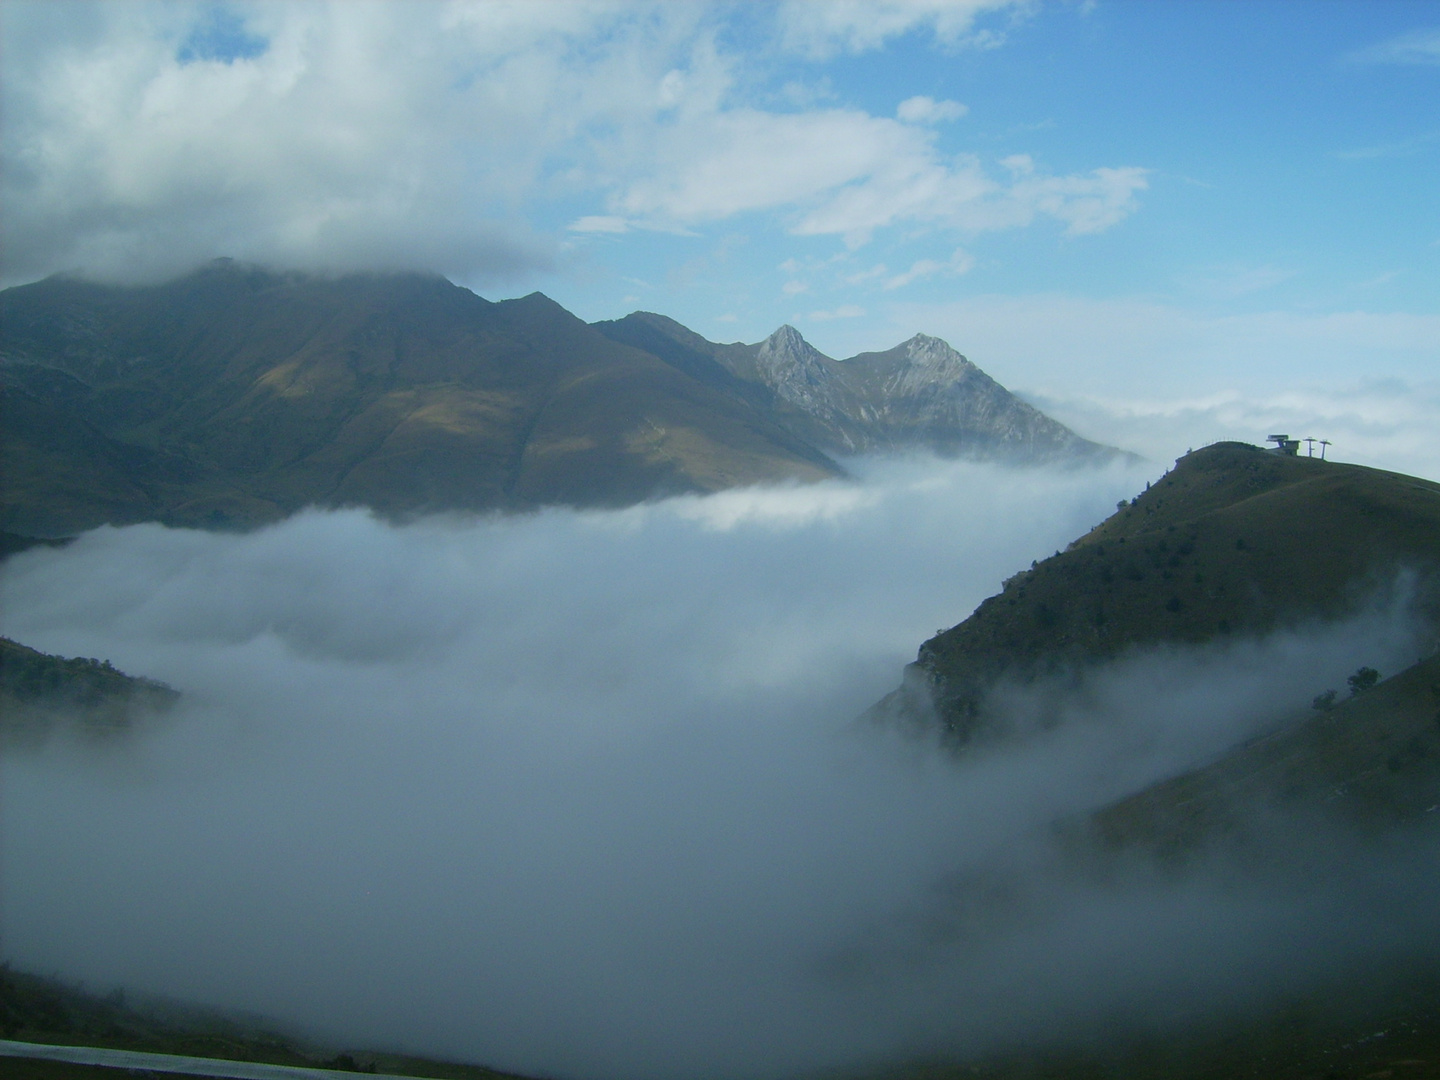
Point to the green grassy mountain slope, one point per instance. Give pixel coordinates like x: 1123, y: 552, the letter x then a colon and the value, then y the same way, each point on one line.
x: 233, y: 396
x: 1373, y: 758
x: 1234, y: 540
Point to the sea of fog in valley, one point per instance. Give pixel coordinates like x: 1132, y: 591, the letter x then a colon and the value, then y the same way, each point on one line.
x: 583, y: 794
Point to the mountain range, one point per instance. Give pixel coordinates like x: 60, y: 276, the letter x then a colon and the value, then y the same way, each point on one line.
x: 234, y: 396
x: 1234, y: 542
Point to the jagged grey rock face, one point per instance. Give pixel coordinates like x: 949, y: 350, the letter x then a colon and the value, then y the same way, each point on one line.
x: 930, y: 364
x: 797, y: 371
x: 922, y: 393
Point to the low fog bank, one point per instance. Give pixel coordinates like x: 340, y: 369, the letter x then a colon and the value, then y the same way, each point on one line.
x: 1383, y: 423
x: 582, y: 794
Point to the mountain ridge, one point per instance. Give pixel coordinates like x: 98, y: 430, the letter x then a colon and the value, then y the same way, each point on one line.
x: 235, y: 395
x: 920, y: 394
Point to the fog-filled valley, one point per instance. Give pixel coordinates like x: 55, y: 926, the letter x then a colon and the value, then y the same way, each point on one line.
x: 585, y: 793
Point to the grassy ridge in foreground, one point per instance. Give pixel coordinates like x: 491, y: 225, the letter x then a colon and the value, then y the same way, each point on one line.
x: 1373, y: 759
x: 1234, y: 540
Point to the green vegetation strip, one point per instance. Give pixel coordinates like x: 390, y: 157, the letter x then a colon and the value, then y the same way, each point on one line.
x: 172, y: 1063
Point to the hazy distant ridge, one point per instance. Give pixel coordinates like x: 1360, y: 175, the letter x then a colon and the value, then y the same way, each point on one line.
x: 920, y: 394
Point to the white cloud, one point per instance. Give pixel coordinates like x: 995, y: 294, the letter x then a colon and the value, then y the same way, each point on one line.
x: 862, y: 276
x: 959, y: 263
x: 580, y: 794
x: 600, y: 223
x: 921, y: 268
x: 1403, y: 148
x: 1415, y: 47
x: 926, y: 110
x: 425, y: 136
x: 823, y: 29
x: 733, y: 161
x: 844, y: 311
x: 1385, y: 424
x: 581, y: 803
x: 794, y: 288
x: 360, y: 135
x: 849, y: 174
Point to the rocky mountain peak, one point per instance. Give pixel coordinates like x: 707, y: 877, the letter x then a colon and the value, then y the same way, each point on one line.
x: 786, y: 348
x: 936, y: 355
x: 794, y: 367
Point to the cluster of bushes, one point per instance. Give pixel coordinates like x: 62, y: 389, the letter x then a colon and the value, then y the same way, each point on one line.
x: 1364, y: 679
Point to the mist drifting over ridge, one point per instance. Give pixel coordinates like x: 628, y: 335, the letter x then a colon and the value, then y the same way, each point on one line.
x: 579, y: 793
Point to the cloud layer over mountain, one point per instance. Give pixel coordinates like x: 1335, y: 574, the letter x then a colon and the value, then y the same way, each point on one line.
x: 143, y: 139
x: 580, y: 793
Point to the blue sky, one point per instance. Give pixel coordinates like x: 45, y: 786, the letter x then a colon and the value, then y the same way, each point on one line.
x: 1163, y: 222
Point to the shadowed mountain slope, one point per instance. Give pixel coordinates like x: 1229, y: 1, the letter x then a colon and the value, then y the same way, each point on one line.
x: 1234, y: 540
x: 1339, y: 800
x: 39, y: 692
x: 233, y: 396
x: 1373, y: 758
x: 922, y: 394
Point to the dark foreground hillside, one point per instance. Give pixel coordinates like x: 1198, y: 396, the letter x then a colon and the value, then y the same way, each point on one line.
x: 41, y: 1010
x: 40, y: 693
x: 1233, y: 541
x: 1336, y: 806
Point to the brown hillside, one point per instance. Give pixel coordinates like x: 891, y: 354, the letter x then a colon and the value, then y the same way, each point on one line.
x: 234, y: 396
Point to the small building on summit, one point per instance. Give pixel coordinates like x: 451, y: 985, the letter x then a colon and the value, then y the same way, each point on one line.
x: 1284, y: 445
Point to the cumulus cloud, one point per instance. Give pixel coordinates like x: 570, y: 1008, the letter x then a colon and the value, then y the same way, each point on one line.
x: 600, y: 223
x: 849, y: 173
x: 581, y: 794
x: 926, y: 110
x: 343, y: 135
x: 144, y: 138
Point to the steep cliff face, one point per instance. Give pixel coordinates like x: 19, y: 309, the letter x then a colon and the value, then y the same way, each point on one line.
x: 925, y: 391
x: 922, y: 394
